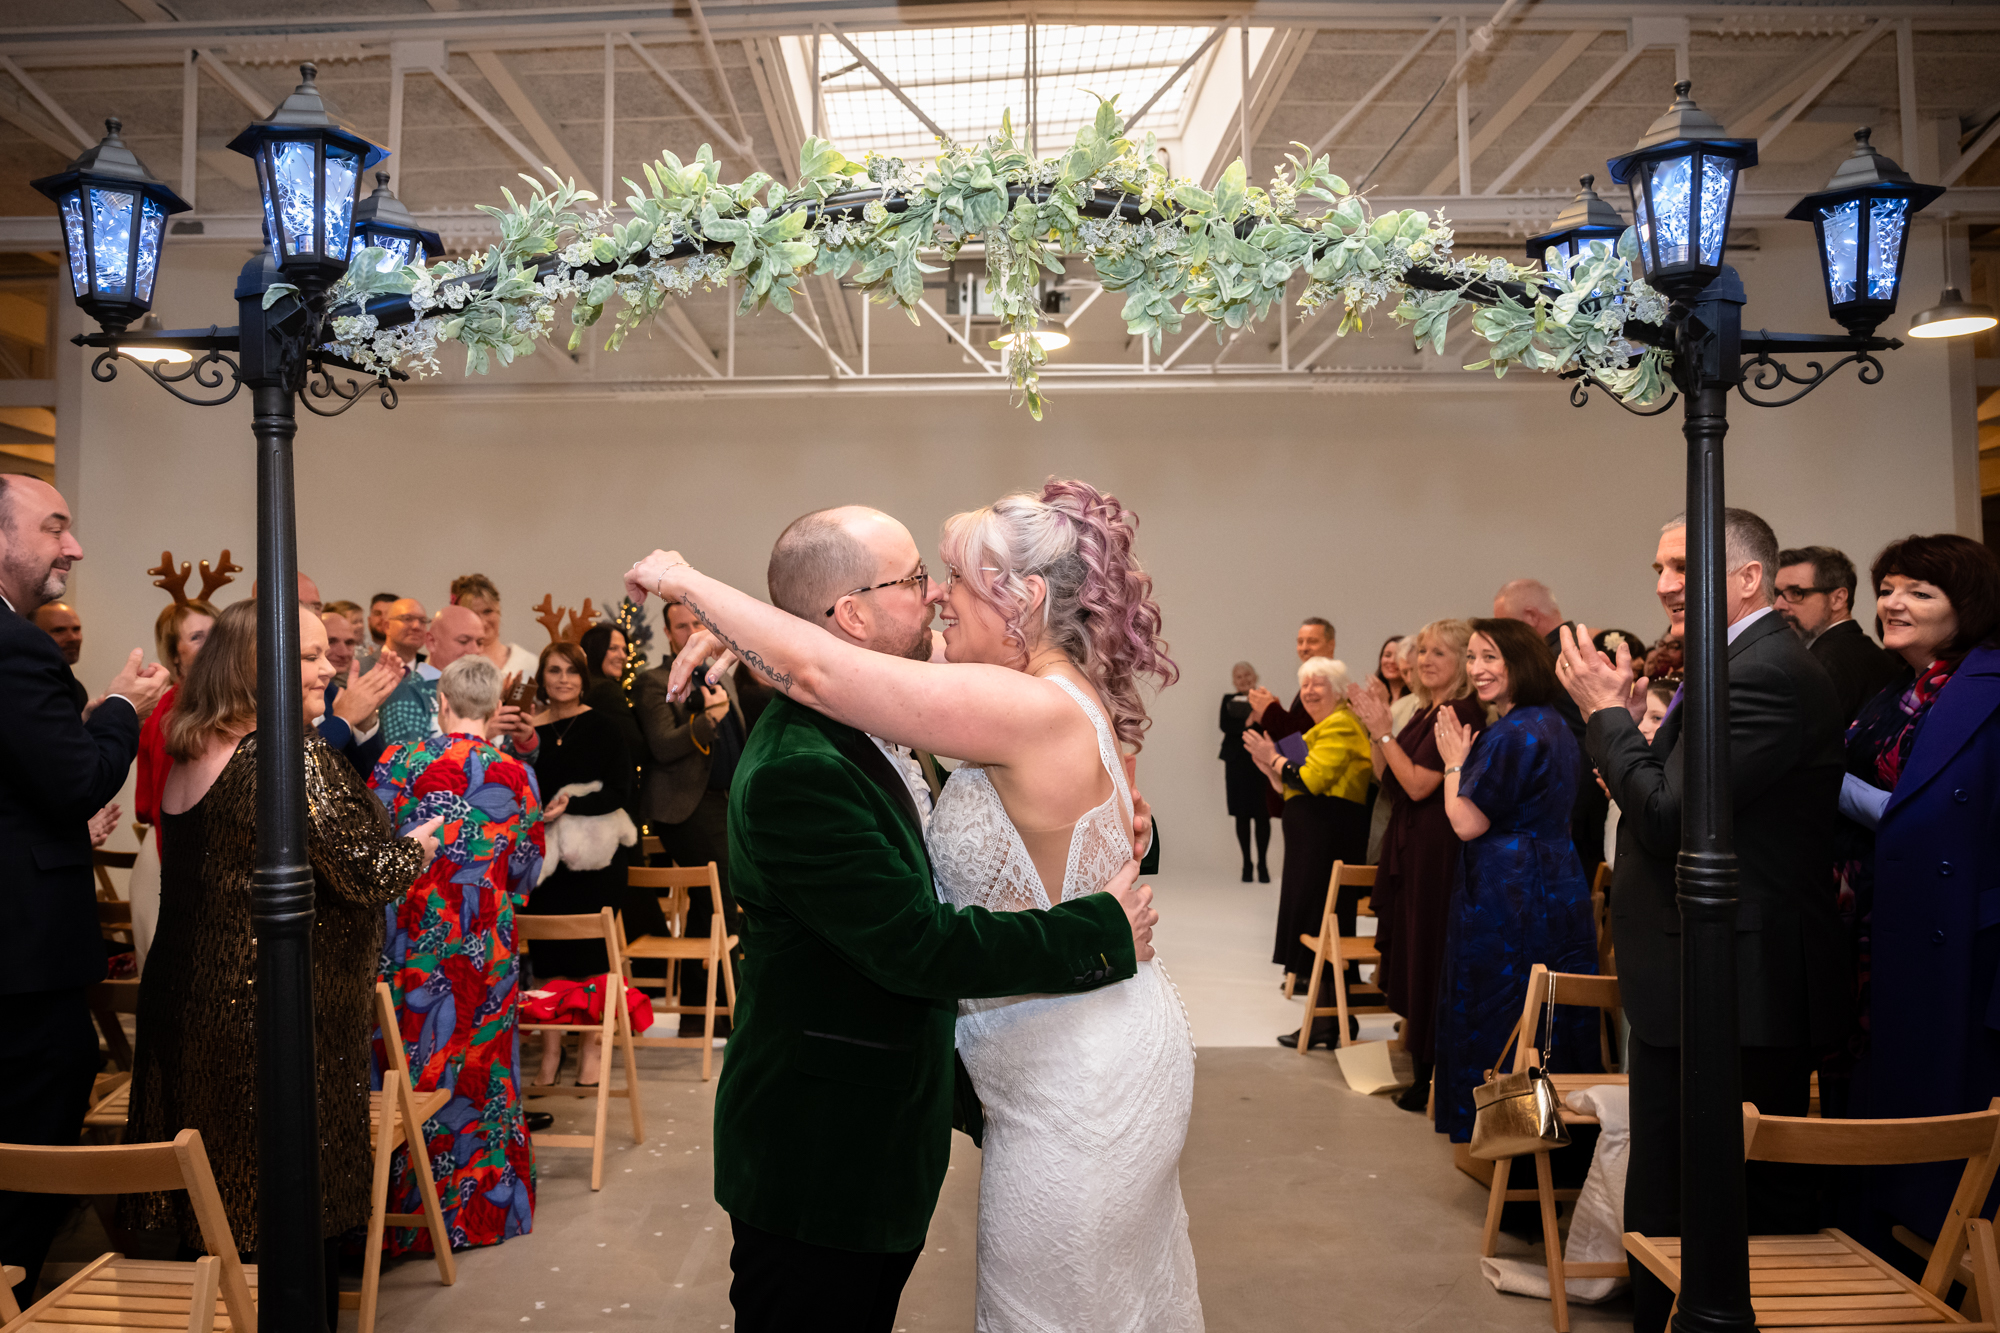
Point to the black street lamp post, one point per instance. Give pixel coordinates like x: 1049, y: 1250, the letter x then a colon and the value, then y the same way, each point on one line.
x: 1682, y: 177
x: 309, y: 168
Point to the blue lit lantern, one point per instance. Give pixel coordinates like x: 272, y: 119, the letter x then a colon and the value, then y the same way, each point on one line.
x: 1588, y: 218
x: 309, y: 169
x: 1683, y: 181
x: 381, y: 221
x: 1862, y: 219
x: 114, y: 217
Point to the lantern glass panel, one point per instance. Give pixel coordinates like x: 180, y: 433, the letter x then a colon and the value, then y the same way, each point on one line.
x: 79, y: 248
x: 295, y: 165
x: 1840, y: 228
x: 1887, y: 219
x: 152, y: 226
x: 1672, y: 210
x: 1642, y: 224
x: 1718, y: 182
x: 343, y: 170
x: 111, y: 240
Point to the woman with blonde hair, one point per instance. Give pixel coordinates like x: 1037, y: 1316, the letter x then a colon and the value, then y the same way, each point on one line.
x: 1420, y: 853
x: 1326, y: 820
x: 1050, y: 633
x: 195, y: 1061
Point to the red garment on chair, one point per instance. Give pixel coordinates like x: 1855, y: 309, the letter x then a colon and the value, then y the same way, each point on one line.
x: 581, y: 1002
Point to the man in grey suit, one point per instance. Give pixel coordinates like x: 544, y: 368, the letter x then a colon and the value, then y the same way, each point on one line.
x: 692, y: 751
x: 1784, y: 768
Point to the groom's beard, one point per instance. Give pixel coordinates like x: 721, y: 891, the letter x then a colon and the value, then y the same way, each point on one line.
x: 917, y: 648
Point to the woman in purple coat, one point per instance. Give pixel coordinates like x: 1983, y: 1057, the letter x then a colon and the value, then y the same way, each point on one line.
x: 1923, y: 770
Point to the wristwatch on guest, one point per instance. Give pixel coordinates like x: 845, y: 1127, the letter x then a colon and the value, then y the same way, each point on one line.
x: 1384, y: 738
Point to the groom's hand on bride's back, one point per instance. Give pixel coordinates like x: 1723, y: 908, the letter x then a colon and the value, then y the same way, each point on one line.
x: 1137, y: 900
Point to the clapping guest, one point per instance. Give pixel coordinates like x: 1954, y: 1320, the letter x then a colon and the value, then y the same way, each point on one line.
x: 57, y: 770
x: 1315, y: 639
x: 1923, y: 771
x: 481, y: 596
x: 1389, y: 668
x: 1420, y: 853
x: 178, y: 635
x: 606, y: 652
x: 1326, y: 820
x: 378, y: 620
x: 1243, y: 784
x: 582, y: 756
x: 1816, y: 597
x: 1391, y: 683
x: 61, y: 623
x: 410, y: 712
x: 451, y: 965
x: 694, y: 745
x: 1521, y: 898
x: 195, y: 1061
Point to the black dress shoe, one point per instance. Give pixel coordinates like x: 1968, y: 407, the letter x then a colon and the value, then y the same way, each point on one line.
x: 1322, y: 1035
x: 1246, y: 874
x: 539, y: 1121
x: 1263, y: 874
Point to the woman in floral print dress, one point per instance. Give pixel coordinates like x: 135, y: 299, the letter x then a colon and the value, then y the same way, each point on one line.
x: 452, y: 967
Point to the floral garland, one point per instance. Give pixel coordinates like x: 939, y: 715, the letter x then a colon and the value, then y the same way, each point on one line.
x: 1224, y: 255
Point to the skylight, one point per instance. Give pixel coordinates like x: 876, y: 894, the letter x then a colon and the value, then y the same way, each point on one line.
x: 965, y: 78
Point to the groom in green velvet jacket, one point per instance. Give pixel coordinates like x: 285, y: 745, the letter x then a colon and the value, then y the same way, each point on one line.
x: 833, y: 1119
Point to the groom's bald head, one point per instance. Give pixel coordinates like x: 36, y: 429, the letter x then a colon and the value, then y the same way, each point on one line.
x: 828, y: 557
x: 824, y: 555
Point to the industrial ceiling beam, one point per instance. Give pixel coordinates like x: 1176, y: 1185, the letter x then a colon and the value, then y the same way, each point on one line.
x: 84, y: 139
x: 1532, y: 87
x: 1534, y: 150
x: 895, y: 89
x: 1367, y: 99
x: 722, y: 135
x: 1847, y: 55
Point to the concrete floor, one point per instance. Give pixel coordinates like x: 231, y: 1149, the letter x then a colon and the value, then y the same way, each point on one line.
x: 1311, y: 1206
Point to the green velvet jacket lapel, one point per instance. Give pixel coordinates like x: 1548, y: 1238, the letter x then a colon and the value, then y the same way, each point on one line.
x: 833, y: 1119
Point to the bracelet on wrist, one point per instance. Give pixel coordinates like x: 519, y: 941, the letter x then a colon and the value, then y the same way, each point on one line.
x: 1452, y: 768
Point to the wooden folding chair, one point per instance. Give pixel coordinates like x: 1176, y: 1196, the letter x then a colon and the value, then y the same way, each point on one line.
x: 1600, y: 912
x: 103, y: 863
x: 712, y: 952
x: 108, y: 1000
x: 615, y: 1027
x: 396, y: 1117
x: 1332, y: 947
x: 1571, y: 988
x: 214, y: 1294
x: 1830, y: 1280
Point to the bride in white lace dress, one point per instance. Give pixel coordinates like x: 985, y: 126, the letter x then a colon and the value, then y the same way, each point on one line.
x: 1050, y: 626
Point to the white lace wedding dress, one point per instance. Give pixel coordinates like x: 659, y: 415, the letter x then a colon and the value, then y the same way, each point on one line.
x: 1081, y: 1225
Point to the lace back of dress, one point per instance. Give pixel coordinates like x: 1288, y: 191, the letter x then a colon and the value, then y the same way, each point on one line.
x: 980, y: 860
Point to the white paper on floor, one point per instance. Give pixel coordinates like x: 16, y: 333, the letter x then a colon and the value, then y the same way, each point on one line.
x: 1371, y: 1067
x: 1597, y: 1227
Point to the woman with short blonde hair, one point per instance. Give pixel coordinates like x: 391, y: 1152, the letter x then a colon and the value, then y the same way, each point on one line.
x: 1419, y: 861
x: 1325, y: 817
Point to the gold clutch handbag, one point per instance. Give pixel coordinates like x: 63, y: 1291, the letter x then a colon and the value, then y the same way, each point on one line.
x: 1515, y: 1114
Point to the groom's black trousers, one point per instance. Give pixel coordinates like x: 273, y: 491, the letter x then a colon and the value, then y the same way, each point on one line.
x: 786, y: 1286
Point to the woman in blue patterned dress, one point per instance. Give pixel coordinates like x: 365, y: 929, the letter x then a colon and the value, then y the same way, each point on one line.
x: 1521, y: 897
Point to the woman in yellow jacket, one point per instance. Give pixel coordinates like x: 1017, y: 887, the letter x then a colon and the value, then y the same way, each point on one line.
x: 1325, y: 820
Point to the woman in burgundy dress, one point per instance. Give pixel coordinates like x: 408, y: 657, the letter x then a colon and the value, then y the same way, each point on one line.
x: 1420, y: 852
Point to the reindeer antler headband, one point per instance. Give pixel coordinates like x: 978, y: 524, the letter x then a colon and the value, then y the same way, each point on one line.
x: 551, y: 617
x: 213, y: 578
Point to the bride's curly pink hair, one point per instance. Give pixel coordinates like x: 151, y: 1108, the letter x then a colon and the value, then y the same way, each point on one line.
x: 1099, y: 610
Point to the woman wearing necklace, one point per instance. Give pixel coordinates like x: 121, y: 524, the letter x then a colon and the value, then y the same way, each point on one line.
x: 582, y: 756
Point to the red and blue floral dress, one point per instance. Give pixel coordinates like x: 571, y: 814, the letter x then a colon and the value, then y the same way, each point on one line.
x: 450, y: 960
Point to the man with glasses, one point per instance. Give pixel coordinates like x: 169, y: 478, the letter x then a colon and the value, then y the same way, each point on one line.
x: 1816, y: 597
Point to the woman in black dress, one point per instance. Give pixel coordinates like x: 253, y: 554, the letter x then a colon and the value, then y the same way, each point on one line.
x: 1420, y: 853
x: 1241, y: 780
x: 584, y: 769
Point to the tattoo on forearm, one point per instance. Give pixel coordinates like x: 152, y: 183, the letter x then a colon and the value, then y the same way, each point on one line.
x: 748, y: 656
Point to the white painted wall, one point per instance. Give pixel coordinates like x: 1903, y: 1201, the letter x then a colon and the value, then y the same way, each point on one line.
x: 1378, y: 510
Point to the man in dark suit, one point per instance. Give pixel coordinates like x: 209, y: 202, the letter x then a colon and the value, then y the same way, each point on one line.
x: 692, y: 749
x: 1530, y: 602
x: 1785, y: 768
x: 57, y: 769
x: 1816, y: 597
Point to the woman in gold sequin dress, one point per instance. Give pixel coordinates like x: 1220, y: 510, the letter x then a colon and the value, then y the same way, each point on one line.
x: 195, y: 1061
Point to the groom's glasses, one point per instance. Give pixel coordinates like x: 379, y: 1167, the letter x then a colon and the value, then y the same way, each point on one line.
x: 921, y: 579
